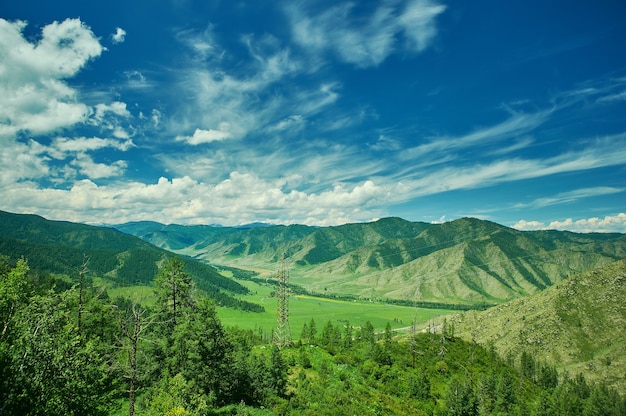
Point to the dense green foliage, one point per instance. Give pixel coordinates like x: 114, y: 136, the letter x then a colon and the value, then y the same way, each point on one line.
x: 176, y: 358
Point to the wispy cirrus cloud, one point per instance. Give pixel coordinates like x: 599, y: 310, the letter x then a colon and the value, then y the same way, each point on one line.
x: 364, y: 39
x: 215, y: 95
x: 62, y: 146
x: 571, y: 196
x: 605, y: 152
x: 516, y: 126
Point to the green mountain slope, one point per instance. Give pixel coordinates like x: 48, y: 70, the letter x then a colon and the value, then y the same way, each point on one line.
x: 58, y: 247
x: 579, y: 325
x: 462, y: 261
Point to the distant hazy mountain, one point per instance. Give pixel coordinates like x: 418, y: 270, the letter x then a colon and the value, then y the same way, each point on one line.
x: 58, y: 247
x: 462, y: 261
x: 579, y: 325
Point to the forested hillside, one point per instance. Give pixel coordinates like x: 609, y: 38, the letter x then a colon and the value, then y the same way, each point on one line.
x: 79, y: 352
x: 58, y: 250
x: 467, y: 261
x: 578, y: 324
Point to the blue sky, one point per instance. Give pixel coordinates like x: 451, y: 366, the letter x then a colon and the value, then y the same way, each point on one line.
x: 312, y: 112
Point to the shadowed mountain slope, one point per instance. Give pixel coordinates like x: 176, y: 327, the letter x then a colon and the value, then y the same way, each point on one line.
x: 59, y: 247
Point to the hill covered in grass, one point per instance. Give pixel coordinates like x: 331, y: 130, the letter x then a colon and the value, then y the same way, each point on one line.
x: 61, y: 248
x: 579, y: 325
x: 467, y: 261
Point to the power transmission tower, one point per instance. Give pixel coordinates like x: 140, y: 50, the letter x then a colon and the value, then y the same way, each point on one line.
x: 282, y: 335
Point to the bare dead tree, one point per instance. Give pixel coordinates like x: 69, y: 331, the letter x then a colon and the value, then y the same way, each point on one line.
x: 133, y: 325
x: 81, y: 277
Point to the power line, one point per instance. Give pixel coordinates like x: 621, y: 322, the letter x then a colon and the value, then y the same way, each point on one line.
x: 282, y: 335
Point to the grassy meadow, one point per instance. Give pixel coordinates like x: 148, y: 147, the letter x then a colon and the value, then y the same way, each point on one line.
x: 303, y: 308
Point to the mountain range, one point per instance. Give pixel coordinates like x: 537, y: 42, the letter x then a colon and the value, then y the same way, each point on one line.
x: 466, y: 261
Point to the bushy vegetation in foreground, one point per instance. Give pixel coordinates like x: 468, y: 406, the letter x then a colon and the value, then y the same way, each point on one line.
x: 75, y: 351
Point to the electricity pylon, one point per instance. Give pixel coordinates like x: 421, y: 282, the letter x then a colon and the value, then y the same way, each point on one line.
x: 282, y: 335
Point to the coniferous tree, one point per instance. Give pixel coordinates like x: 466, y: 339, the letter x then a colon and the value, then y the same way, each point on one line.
x: 174, y: 289
x: 460, y: 399
x: 367, y: 334
x: 528, y: 366
x: 348, y: 336
x: 312, y: 331
x: 388, y: 335
x: 305, y: 333
x: 505, y: 393
x: 202, y: 352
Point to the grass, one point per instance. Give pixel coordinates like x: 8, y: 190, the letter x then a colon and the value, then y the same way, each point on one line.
x: 301, y: 310
x: 304, y: 308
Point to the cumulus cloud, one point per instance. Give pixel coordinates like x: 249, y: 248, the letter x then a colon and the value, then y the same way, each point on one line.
x: 60, y: 161
x: 610, y: 223
x: 119, y: 36
x: 201, y: 136
x: 237, y: 199
x: 22, y: 161
x: 118, y: 108
x: 365, y: 40
x: 86, y: 166
x: 35, y: 97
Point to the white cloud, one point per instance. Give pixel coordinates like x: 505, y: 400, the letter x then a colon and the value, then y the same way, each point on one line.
x: 607, y: 153
x: 34, y: 161
x: 313, y: 101
x: 118, y: 108
x: 524, y: 225
x: 610, y: 223
x: 119, y: 36
x: 34, y: 96
x: 206, y: 136
x: 418, y: 23
x: 572, y: 196
x: 254, y: 96
x: 137, y: 80
x: 214, y: 95
x: 516, y: 125
x: 620, y: 96
x: 292, y: 123
x: 61, y: 146
x: 238, y: 199
x: 93, y: 170
x: 370, y: 41
x: 22, y: 161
